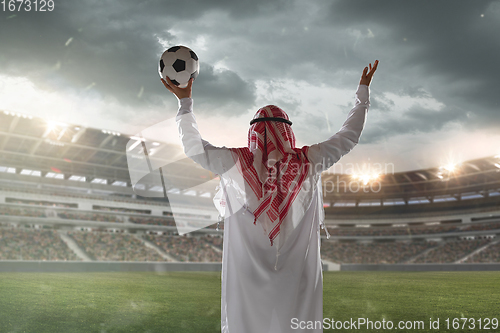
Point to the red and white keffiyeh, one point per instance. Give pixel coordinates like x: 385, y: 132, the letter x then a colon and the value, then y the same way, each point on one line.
x: 274, y: 170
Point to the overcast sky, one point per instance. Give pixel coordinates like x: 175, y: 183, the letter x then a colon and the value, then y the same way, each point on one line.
x: 433, y: 98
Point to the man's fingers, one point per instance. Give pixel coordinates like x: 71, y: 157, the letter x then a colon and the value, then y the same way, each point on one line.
x: 166, y: 85
x: 190, y: 83
x: 374, y: 68
x: 366, y: 77
x: 169, y: 82
x: 177, y: 91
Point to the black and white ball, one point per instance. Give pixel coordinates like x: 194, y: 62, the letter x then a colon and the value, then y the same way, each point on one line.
x: 180, y: 64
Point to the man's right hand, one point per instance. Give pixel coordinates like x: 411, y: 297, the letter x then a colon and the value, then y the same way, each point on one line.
x: 178, y: 92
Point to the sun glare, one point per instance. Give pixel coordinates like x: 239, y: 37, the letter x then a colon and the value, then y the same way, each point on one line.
x: 366, y: 178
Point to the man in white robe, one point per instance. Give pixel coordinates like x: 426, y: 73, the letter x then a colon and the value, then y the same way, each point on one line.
x: 271, y: 280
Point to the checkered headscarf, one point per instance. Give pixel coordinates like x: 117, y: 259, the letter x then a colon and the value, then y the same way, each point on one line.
x: 273, y: 168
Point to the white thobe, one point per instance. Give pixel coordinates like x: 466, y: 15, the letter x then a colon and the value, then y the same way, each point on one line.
x: 259, y: 293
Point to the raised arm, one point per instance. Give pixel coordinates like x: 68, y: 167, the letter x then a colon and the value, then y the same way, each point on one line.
x: 216, y: 159
x: 323, y: 155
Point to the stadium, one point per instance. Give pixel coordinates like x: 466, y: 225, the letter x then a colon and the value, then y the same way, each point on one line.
x: 67, y: 206
x: 67, y: 196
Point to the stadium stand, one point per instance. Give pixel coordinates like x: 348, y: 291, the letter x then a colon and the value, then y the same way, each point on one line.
x: 373, y: 252
x: 194, y: 249
x: 33, y: 244
x: 451, y: 251
x: 487, y: 255
x: 153, y: 221
x: 104, y: 246
x: 61, y: 182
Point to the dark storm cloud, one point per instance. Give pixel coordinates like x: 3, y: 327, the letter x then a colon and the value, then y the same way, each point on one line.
x: 445, y: 48
x: 416, y: 120
x: 234, y: 92
x: 111, y: 48
x: 380, y: 103
x: 413, y: 91
x: 73, y: 47
x: 195, y: 8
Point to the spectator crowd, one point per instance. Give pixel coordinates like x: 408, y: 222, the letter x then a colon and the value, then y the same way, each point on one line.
x: 189, y: 248
x: 393, y: 231
x: 165, y: 221
x: 490, y: 254
x: 33, y: 244
x: 451, y: 251
x: 106, y: 246
x: 45, y: 244
x: 372, y: 252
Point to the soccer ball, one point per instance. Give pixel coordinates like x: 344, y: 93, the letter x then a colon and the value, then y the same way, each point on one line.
x: 180, y: 64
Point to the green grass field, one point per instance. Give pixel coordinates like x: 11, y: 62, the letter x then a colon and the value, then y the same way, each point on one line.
x: 190, y: 302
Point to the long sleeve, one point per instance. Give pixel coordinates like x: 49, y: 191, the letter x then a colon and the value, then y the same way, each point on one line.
x: 216, y: 159
x: 323, y: 155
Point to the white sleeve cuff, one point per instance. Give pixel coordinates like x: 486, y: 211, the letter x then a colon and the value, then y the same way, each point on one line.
x: 185, y: 105
x: 363, y: 95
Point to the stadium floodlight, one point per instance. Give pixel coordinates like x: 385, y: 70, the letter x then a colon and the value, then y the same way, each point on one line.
x: 50, y: 126
x: 25, y: 172
x: 447, y: 170
x: 28, y: 172
x: 110, y: 132
x: 54, y: 175
x: 366, y: 178
x: 54, y: 143
x: 7, y: 169
x: 17, y: 114
x: 99, y: 181
x: 155, y: 189
x: 53, y: 124
x: 77, y: 178
x: 450, y: 167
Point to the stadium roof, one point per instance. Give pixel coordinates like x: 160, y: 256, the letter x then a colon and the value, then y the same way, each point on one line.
x: 59, y: 150
x: 475, y: 177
